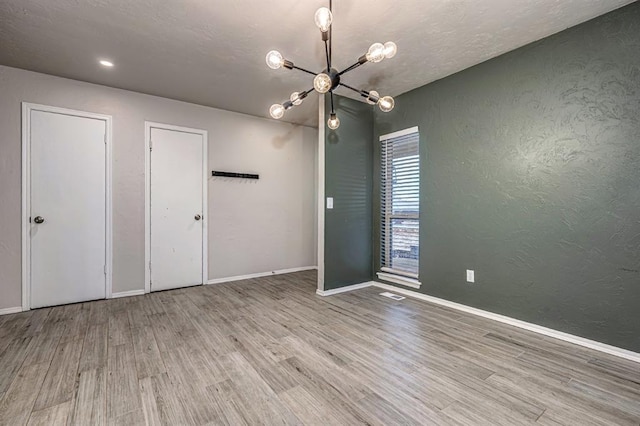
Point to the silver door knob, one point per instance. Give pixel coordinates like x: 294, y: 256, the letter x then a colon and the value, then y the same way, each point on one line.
x: 38, y: 219
x: 198, y: 217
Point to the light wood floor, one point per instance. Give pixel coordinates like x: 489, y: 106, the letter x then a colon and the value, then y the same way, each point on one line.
x: 269, y: 351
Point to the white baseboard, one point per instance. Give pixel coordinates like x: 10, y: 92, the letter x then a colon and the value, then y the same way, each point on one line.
x: 127, y: 293
x: 14, y: 310
x: 344, y: 289
x: 577, y: 340
x: 260, y: 274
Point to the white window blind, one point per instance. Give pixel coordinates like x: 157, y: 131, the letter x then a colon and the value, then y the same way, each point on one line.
x: 400, y: 202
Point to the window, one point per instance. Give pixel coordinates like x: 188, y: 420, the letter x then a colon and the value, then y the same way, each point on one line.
x: 400, y: 207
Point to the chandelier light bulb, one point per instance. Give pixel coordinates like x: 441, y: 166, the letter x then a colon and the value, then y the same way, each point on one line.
x: 375, y: 53
x: 322, y: 83
x: 333, y: 122
x: 390, y: 49
x: 373, y: 97
x: 276, y: 111
x: 295, y: 98
x: 274, y: 59
x: 323, y: 18
x: 386, y: 103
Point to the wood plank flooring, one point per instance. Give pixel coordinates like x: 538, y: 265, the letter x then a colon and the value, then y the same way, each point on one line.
x: 269, y: 351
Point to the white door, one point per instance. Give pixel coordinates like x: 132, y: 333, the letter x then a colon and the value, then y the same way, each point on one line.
x: 67, y: 228
x: 176, y: 211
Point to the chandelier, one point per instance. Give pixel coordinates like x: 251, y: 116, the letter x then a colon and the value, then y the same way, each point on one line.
x: 330, y: 78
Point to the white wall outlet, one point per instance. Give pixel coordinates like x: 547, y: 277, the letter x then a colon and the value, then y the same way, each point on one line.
x: 329, y: 202
x: 471, y: 276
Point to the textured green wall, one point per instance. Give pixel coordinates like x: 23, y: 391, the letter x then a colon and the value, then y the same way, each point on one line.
x: 531, y: 176
x: 348, y: 179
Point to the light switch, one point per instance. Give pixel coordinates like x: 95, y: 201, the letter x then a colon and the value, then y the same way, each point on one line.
x: 329, y: 202
x: 471, y: 276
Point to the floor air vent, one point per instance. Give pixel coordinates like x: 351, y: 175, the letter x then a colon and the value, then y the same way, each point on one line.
x: 392, y: 296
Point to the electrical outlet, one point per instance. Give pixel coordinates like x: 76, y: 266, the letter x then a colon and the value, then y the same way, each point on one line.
x: 471, y: 276
x: 329, y: 202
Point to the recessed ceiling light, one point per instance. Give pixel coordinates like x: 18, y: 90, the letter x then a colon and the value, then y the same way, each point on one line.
x: 106, y: 63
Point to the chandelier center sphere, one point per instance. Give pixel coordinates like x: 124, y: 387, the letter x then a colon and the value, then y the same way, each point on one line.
x: 334, y: 75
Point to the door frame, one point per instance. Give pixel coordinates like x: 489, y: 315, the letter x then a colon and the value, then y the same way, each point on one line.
x: 148, y: 125
x: 27, y: 108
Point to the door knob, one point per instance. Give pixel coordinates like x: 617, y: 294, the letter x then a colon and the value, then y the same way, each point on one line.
x: 38, y: 219
x: 198, y: 217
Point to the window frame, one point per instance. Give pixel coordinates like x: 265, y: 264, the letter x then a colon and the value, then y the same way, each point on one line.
x: 387, y: 273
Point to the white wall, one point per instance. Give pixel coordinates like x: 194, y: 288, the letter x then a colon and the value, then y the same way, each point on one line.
x: 266, y: 224
x: 254, y: 226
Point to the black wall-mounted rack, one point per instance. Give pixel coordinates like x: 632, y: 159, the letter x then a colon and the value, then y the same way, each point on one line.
x: 235, y: 175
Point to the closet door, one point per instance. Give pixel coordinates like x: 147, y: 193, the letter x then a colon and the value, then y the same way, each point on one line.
x: 67, y: 223
x: 176, y: 210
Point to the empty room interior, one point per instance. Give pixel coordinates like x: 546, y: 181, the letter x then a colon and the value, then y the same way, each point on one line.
x: 423, y: 212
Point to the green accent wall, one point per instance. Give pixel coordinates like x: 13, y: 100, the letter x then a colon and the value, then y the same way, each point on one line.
x: 348, y: 179
x: 530, y: 175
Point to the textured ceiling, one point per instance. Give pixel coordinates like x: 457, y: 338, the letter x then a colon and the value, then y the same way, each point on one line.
x: 212, y: 52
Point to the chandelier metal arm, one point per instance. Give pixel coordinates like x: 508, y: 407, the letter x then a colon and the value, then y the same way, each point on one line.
x: 330, y: 53
x: 358, y: 91
x: 332, y: 110
x: 363, y: 93
x: 361, y: 60
x: 302, y: 69
x: 301, y: 95
x: 330, y: 44
x: 306, y: 92
x: 326, y: 51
